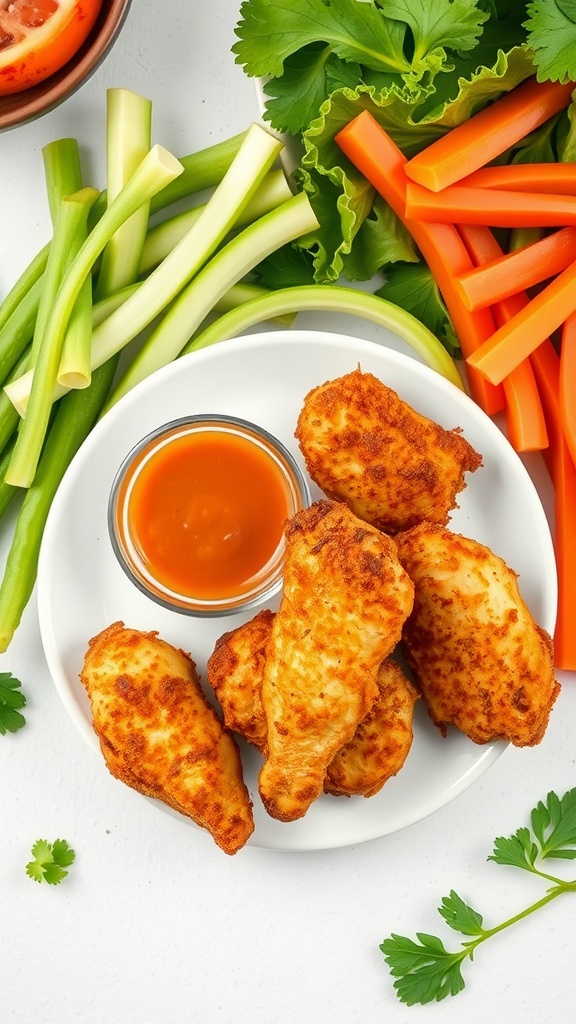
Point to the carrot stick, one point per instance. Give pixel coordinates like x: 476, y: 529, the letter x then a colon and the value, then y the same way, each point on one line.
x: 516, y: 271
x: 496, y: 207
x: 563, y: 472
x: 556, y: 178
x: 375, y: 154
x: 525, y: 423
x: 515, y: 340
x: 488, y: 134
x: 568, y: 385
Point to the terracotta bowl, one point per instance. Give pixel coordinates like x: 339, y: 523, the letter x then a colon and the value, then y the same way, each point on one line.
x: 21, y: 107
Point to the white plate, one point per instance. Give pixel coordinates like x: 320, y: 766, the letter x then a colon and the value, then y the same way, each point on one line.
x: 264, y: 377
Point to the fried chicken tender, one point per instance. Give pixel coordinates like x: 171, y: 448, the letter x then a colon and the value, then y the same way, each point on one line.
x: 378, y: 748
x: 482, y: 662
x: 362, y: 444
x: 159, y: 735
x: 344, y: 602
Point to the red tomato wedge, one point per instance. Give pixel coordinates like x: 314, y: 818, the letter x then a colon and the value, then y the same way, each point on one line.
x: 37, y: 37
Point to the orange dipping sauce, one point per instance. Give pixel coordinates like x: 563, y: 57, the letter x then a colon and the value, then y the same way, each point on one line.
x: 201, y: 510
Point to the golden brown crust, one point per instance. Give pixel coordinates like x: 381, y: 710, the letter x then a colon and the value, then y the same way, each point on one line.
x: 235, y: 670
x: 382, y: 741
x: 481, y: 660
x: 378, y: 748
x: 345, y: 599
x: 364, y: 445
x: 159, y: 735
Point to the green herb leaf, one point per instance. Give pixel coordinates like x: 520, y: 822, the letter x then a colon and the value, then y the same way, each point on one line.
x: 268, y: 33
x: 11, y: 700
x: 452, y: 24
x: 424, y: 971
x: 518, y: 851
x: 551, y: 28
x: 459, y: 916
x: 50, y: 861
x: 554, y: 825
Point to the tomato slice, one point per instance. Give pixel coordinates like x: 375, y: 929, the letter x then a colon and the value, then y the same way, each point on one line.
x: 38, y: 37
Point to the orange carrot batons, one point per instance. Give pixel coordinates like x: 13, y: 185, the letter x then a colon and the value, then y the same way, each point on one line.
x: 495, y: 207
x: 563, y: 472
x: 488, y: 134
x: 568, y: 389
x: 516, y: 271
x: 558, y: 179
x: 377, y: 156
x: 525, y: 422
x: 515, y: 340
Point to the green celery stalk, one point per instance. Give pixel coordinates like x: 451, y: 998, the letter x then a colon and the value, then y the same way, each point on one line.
x: 202, y: 170
x: 157, y: 167
x: 332, y: 299
x: 258, y: 151
x: 63, y: 172
x: 70, y: 229
x: 245, y: 291
x: 9, y: 416
x: 128, y: 139
x: 32, y: 273
x: 74, y: 367
x: 18, y: 330
x: 63, y: 176
x: 7, y: 492
x: 75, y: 417
x: 230, y: 264
x: 163, y: 237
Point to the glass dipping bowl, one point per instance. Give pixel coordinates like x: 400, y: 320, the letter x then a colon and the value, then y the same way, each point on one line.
x: 197, y: 511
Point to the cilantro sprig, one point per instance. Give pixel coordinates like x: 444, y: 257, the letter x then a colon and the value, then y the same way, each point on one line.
x: 50, y: 861
x: 424, y: 969
x: 12, y: 700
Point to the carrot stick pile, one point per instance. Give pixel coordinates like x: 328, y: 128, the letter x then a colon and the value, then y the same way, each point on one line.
x: 504, y: 305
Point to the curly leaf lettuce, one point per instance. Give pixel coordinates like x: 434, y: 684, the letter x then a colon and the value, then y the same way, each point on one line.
x: 340, y: 195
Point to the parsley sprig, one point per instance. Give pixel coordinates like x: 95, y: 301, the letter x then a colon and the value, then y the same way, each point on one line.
x: 425, y: 970
x: 50, y: 861
x: 12, y: 700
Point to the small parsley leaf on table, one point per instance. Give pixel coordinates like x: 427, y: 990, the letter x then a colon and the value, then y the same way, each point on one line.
x: 425, y: 970
x: 50, y: 861
x: 12, y: 700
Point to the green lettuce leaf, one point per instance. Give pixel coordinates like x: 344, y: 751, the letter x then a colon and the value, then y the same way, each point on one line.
x: 340, y: 196
x: 414, y: 288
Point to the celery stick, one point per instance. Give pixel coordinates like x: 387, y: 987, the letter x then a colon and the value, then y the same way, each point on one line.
x: 7, y: 492
x: 45, y: 356
x: 75, y: 367
x: 128, y: 139
x: 282, y: 225
x: 17, y: 332
x: 245, y: 291
x: 74, y: 419
x: 63, y: 176
x: 157, y: 167
x: 258, y: 151
x: 162, y: 238
x: 9, y: 417
x: 62, y: 170
x: 202, y: 170
x: 332, y: 299
x: 19, y: 290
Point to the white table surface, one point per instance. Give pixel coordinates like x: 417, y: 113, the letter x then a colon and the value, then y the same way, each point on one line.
x: 154, y: 924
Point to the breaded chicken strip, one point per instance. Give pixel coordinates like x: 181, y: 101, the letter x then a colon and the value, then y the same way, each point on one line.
x: 159, y: 735
x: 378, y: 748
x: 344, y: 602
x: 364, y: 445
x: 481, y: 660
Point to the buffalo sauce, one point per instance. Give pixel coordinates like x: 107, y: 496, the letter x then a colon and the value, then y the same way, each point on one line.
x: 207, y: 511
